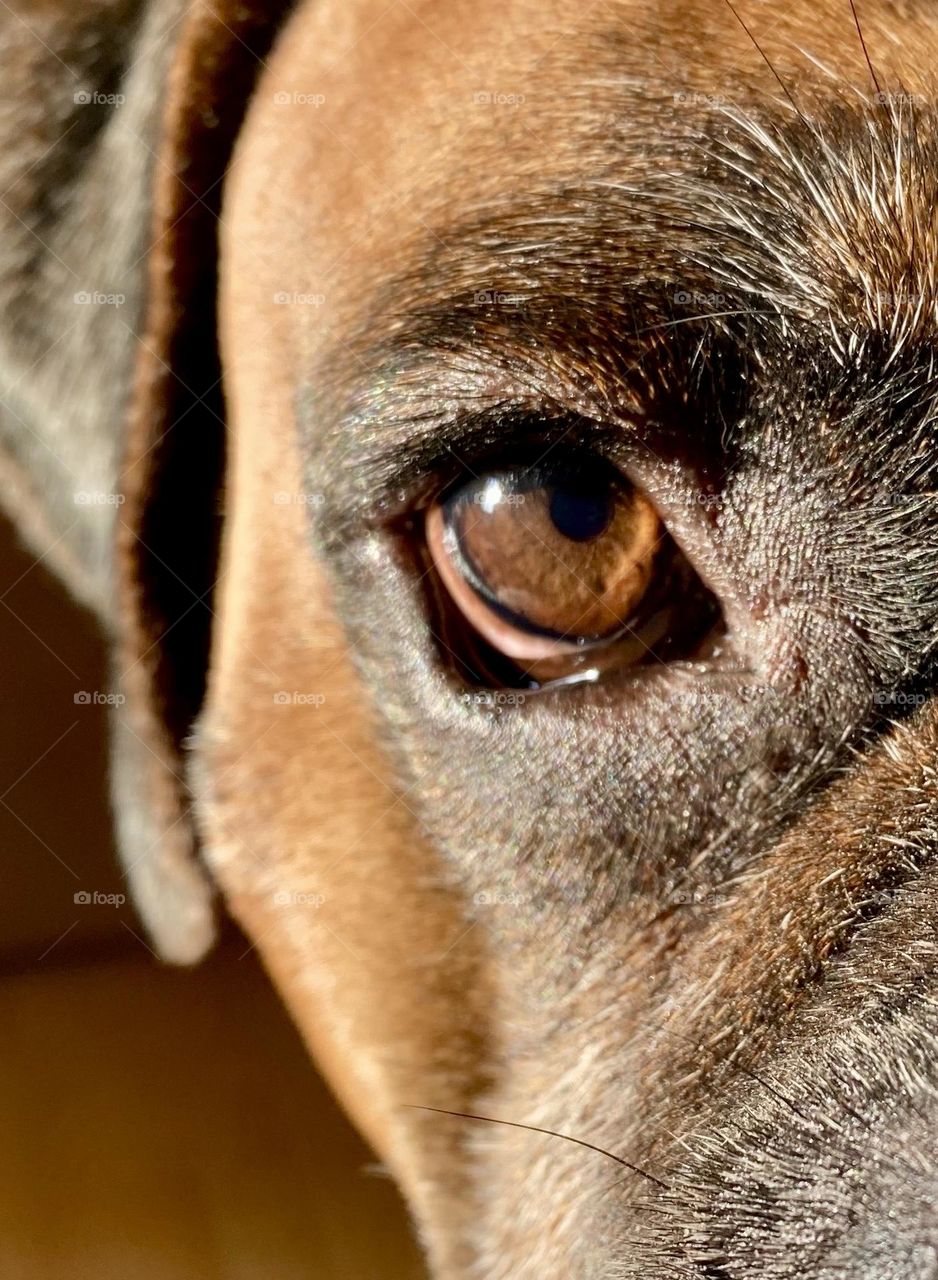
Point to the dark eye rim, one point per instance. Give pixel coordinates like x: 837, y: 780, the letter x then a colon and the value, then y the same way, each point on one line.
x: 481, y: 666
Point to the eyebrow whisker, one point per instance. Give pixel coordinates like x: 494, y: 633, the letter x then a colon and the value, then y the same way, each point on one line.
x: 703, y: 315
x: 765, y: 58
x: 863, y: 46
x: 550, y: 1133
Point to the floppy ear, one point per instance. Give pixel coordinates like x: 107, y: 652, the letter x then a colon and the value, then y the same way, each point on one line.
x: 117, y: 121
x: 173, y: 473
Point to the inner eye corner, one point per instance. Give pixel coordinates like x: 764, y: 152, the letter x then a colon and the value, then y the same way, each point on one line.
x: 555, y: 574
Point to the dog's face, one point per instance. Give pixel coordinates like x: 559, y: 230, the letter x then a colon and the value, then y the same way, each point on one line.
x: 535, y: 322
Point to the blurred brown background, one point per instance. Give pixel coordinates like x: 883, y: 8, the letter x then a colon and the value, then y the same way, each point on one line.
x: 155, y: 1123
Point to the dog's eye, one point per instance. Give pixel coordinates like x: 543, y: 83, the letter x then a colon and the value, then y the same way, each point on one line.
x: 560, y: 570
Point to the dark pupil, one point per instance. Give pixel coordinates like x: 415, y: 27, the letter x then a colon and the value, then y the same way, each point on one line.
x: 580, y: 514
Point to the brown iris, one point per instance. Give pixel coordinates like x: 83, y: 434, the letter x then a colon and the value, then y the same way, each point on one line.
x: 558, y: 570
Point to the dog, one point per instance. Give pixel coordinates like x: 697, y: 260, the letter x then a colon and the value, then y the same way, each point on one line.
x: 505, y: 455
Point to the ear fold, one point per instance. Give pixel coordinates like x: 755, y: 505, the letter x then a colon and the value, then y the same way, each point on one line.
x: 172, y: 478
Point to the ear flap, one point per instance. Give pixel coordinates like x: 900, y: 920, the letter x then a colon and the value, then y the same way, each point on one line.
x: 117, y: 121
x: 172, y: 479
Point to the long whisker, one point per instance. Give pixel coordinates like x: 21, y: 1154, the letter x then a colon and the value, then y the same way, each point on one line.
x: 765, y: 58
x: 550, y: 1133
x: 866, y: 52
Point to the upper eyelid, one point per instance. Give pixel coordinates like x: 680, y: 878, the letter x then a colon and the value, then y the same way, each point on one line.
x: 456, y: 352
x: 493, y: 437
x: 411, y: 468
x: 407, y: 411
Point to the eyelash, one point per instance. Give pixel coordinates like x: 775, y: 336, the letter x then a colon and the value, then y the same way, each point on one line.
x: 492, y: 441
